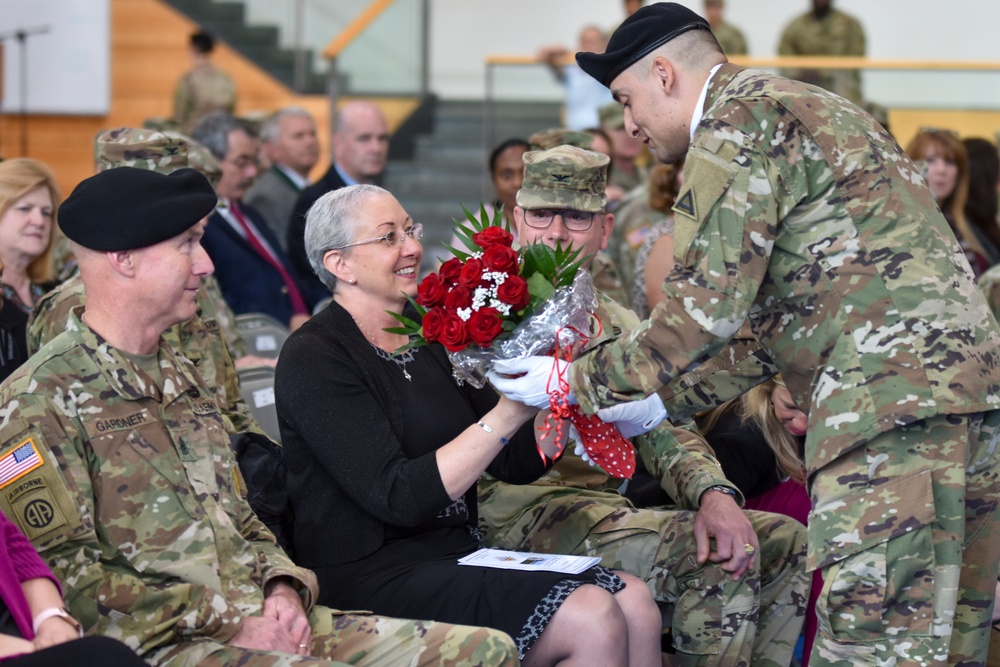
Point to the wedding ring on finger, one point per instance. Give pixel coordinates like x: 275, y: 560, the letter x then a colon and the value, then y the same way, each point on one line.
x: 749, y: 549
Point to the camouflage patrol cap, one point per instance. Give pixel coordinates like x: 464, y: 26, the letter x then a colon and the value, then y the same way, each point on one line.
x: 560, y: 136
x: 612, y: 115
x: 153, y: 150
x: 639, y: 35
x: 564, y: 177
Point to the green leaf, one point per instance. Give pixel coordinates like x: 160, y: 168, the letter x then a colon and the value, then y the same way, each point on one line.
x: 540, y: 287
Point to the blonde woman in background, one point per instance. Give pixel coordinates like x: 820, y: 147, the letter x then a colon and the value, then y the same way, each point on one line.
x: 28, y: 202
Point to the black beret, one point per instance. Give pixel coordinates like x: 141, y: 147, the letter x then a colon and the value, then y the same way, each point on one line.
x: 127, y: 208
x: 650, y: 27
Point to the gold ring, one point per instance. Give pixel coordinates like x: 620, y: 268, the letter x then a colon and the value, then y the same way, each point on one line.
x: 750, y: 549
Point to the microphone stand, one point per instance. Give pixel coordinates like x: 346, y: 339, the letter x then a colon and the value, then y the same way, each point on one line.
x: 22, y: 35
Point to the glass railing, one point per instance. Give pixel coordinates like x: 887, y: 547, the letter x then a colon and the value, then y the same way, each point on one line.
x: 959, y: 95
x: 377, y: 47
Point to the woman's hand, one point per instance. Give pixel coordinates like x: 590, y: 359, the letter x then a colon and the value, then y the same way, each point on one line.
x: 55, y: 630
x: 11, y: 645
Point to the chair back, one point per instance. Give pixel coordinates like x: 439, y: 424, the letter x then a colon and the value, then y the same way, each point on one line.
x: 257, y: 383
x: 263, y: 334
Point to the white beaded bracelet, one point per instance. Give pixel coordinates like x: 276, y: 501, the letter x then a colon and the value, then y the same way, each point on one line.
x: 488, y: 429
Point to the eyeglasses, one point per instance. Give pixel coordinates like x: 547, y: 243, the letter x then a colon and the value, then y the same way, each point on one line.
x: 574, y: 221
x: 391, y: 239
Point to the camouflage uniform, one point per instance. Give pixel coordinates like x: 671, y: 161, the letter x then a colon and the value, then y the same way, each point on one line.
x: 801, y: 214
x: 836, y: 34
x: 136, y: 502
x: 201, y: 91
x: 576, y: 508
x: 731, y: 39
x: 199, y: 340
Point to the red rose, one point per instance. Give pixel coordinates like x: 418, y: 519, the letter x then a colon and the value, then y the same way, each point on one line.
x: 458, y: 297
x: 500, y: 258
x: 453, y: 334
x: 472, y: 272
x: 484, y: 326
x: 450, y: 271
x: 431, y: 291
x: 433, y: 324
x: 514, y: 291
x: 493, y: 236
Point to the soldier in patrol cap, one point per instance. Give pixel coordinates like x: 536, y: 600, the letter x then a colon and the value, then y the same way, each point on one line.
x: 115, y: 463
x: 802, y: 216
x: 735, y: 609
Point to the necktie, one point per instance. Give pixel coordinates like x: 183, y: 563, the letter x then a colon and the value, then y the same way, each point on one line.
x: 298, y: 303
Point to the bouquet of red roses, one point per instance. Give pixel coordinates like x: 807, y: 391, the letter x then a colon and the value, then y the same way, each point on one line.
x: 495, y: 302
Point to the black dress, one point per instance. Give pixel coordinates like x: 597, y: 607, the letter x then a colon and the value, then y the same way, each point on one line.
x: 415, y: 573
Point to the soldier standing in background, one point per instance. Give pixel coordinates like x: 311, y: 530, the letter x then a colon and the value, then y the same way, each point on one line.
x: 116, y: 465
x: 730, y: 37
x: 825, y: 31
x: 801, y: 215
x: 205, y: 88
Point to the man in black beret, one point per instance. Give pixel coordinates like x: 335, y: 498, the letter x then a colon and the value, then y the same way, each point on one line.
x: 116, y: 464
x: 801, y: 216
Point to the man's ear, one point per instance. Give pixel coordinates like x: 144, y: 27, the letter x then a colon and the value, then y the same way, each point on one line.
x: 609, y: 225
x: 664, y: 74
x: 123, y: 261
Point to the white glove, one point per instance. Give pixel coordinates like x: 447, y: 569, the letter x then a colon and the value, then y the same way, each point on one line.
x: 635, y: 417
x: 578, y: 447
x: 532, y: 388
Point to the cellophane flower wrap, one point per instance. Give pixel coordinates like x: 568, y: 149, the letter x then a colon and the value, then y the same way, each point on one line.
x: 493, y: 302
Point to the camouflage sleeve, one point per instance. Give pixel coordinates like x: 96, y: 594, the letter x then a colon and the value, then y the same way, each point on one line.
x: 40, y: 324
x: 103, y: 590
x: 274, y: 562
x: 183, y: 101
x: 856, y: 39
x: 725, y: 226
x: 740, y: 365
x: 682, y: 461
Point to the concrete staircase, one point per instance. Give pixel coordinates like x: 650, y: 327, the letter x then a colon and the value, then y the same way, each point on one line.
x: 257, y: 43
x: 449, y: 167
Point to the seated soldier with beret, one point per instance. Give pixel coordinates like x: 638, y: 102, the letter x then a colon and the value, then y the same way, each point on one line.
x: 115, y: 463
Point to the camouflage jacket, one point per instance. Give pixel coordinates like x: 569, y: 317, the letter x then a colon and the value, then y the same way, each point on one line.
x: 201, y: 91
x: 132, y: 495
x: 836, y: 34
x: 199, y: 340
x: 730, y: 39
x: 802, y: 215
x: 577, y: 496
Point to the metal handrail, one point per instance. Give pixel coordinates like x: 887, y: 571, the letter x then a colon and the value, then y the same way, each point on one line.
x: 805, y: 62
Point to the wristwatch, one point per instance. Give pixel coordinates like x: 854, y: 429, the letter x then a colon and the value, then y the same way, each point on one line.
x: 729, y: 491
x: 46, y: 614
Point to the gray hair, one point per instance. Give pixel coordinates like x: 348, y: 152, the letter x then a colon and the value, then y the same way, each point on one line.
x: 331, y: 223
x: 212, y: 132
x: 269, y: 132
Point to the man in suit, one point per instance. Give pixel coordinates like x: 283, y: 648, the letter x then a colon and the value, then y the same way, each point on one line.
x: 290, y: 143
x: 360, y: 147
x: 253, y: 271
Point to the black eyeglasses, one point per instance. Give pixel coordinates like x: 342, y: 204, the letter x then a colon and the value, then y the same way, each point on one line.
x: 574, y: 221
x: 391, y: 239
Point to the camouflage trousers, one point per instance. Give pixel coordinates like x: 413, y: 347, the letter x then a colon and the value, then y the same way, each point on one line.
x: 755, y: 620
x: 342, y: 638
x: 906, y: 531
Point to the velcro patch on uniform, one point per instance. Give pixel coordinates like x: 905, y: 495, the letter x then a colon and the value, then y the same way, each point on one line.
x: 687, y: 204
x: 37, y: 512
x: 23, y: 459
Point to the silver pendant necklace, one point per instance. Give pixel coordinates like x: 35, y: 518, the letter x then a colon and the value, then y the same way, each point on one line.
x: 399, y: 359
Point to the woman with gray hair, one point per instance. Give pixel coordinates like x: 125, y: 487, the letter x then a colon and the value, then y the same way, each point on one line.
x: 383, y: 453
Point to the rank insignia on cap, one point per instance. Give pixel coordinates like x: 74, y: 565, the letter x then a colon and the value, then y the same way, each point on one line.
x: 19, y: 462
x: 686, y: 204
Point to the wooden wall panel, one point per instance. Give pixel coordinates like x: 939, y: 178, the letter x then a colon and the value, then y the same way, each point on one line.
x: 148, y: 55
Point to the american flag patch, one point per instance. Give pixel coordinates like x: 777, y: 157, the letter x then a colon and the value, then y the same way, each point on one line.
x: 19, y: 462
